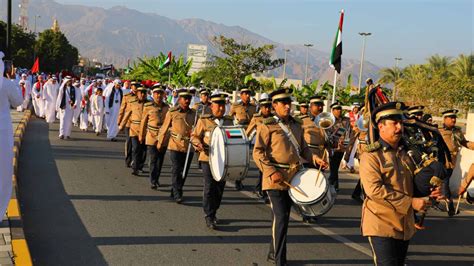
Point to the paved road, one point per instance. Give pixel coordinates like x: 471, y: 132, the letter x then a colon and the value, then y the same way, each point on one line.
x: 82, y: 207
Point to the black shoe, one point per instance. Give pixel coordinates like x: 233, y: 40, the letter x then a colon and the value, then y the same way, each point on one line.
x: 210, y: 223
x: 68, y: 137
x: 61, y: 137
x: 271, y: 257
x: 259, y: 195
x: 267, y: 200
x: 309, y: 220
x: 113, y: 140
x: 451, y: 209
x: 135, y: 172
x: 215, y: 220
x: 97, y: 133
x: 238, y: 185
x: 178, y: 199
x: 357, y: 198
x: 154, y: 186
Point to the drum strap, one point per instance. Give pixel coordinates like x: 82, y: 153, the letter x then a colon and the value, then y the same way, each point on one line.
x: 219, y: 122
x: 290, y: 136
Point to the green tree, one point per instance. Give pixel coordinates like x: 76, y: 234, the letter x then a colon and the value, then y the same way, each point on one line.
x: 462, y: 67
x: 236, y: 61
x: 439, y: 65
x: 55, y: 52
x: 22, y: 45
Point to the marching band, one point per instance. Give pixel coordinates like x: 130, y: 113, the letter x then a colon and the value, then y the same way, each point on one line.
x: 402, y: 155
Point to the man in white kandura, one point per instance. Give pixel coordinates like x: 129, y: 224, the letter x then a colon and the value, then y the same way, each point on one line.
x: 50, y: 95
x: 25, y: 93
x: 113, y: 100
x: 86, y: 93
x: 10, y: 97
x: 97, y: 110
x: 37, y: 96
x: 68, y: 100
x: 77, y: 111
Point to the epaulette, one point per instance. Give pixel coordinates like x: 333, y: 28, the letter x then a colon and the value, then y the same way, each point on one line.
x: 257, y: 115
x: 207, y: 116
x: 298, y: 120
x: 228, y: 117
x: 133, y: 101
x: 148, y: 104
x: 303, y: 116
x: 126, y: 94
x: 373, y: 146
x: 173, y: 109
x: 269, y: 121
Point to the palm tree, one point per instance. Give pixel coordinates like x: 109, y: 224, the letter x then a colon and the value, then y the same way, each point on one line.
x: 439, y: 64
x: 462, y: 67
x: 390, y: 75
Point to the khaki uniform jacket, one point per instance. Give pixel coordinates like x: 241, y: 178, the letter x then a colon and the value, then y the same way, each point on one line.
x: 125, y: 107
x: 469, y: 177
x: 153, y: 118
x: 454, y: 139
x: 133, y: 117
x: 341, y: 122
x: 257, y: 120
x: 202, y: 133
x: 315, y: 137
x: 362, y: 146
x: 273, y: 151
x: 177, y: 128
x: 388, y: 184
x: 203, y: 109
x: 243, y: 113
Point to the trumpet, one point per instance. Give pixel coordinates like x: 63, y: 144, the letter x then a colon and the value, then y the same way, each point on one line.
x: 325, y: 120
x: 362, y: 123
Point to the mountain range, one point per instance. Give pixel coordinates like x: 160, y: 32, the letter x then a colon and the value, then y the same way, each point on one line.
x: 119, y: 34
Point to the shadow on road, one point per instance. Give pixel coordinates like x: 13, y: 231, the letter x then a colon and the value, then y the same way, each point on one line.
x: 53, y: 229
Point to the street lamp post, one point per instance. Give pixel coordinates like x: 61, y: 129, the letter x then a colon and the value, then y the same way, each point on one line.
x: 306, y: 67
x: 364, y: 36
x: 36, y: 16
x: 397, y: 59
x: 284, y: 63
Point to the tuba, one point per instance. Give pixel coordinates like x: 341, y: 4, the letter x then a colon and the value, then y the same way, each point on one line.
x: 325, y: 120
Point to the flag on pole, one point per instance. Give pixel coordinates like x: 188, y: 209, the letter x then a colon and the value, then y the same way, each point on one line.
x: 166, y: 62
x: 36, y: 67
x: 336, y: 54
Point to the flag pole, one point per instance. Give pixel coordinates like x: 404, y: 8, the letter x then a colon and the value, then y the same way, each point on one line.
x: 334, y: 87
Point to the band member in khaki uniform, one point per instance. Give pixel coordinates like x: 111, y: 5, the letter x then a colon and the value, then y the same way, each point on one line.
x: 279, y: 160
x: 387, y: 176
x: 303, y: 108
x: 134, y: 116
x: 201, y: 139
x: 455, y: 140
x: 416, y: 111
x: 337, y: 138
x: 265, y: 104
x: 177, y: 127
x: 204, y: 106
x: 125, y: 107
x: 153, y: 117
x: 465, y: 182
x: 242, y: 112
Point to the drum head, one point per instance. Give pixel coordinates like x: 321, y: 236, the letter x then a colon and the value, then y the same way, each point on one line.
x: 217, y: 154
x: 305, y: 181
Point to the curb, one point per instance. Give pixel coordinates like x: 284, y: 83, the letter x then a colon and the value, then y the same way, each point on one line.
x: 21, y: 252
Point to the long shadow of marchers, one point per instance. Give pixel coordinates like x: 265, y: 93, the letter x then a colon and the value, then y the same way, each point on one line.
x: 53, y: 229
x: 329, y: 262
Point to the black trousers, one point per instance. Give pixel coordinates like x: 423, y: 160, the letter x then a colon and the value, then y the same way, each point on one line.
x: 258, y: 185
x: 357, y: 190
x: 388, y: 251
x: 213, y: 191
x: 177, y: 166
x: 128, y: 147
x: 334, y: 162
x: 138, y: 149
x: 280, y: 202
x: 445, y: 188
x: 155, y: 163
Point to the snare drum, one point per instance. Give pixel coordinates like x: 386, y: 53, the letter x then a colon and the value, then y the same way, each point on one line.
x: 229, y: 153
x: 320, y: 196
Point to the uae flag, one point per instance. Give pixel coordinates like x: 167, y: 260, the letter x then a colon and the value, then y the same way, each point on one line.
x: 166, y: 62
x: 336, y: 54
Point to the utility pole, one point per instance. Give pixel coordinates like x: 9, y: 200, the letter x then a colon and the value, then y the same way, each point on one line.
x: 364, y: 36
x: 397, y: 59
x: 306, y: 68
x: 284, y: 63
x: 9, y: 31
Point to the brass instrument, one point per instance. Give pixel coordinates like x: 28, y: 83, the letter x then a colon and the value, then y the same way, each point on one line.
x: 325, y: 120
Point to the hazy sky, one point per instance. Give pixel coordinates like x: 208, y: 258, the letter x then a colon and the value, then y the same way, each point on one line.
x: 411, y: 29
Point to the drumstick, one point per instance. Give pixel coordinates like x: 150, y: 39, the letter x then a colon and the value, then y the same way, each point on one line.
x: 457, y: 205
x: 293, y: 187
x: 320, y: 167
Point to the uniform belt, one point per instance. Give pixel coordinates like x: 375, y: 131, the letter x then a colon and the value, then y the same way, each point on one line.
x: 152, y: 128
x: 316, y: 146
x: 285, y: 166
x: 136, y: 122
x: 179, y: 136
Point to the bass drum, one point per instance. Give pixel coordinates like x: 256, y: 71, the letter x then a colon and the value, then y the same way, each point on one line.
x: 229, y: 153
x: 320, y: 196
